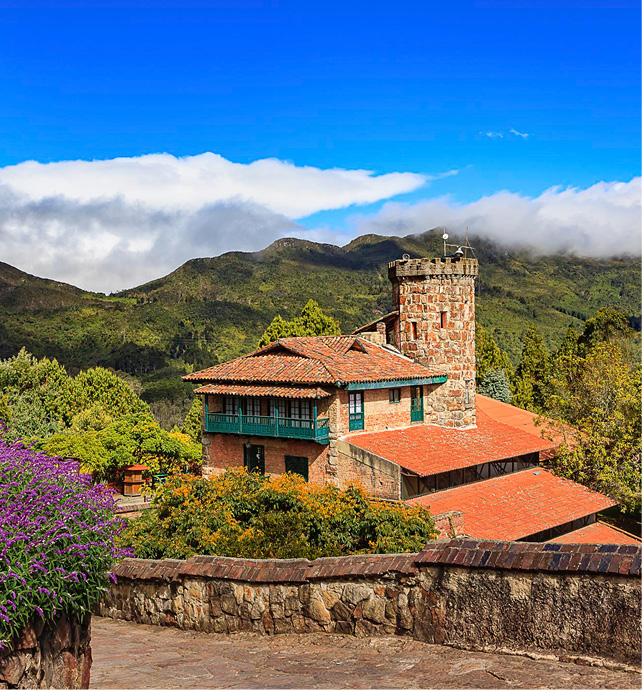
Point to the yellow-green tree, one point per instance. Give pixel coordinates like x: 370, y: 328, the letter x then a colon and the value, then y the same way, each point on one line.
x: 598, y: 405
x: 311, y: 321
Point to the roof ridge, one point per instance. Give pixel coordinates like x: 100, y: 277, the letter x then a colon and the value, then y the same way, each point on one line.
x: 307, y: 356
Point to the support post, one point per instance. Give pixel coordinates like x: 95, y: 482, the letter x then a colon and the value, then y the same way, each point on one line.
x: 315, y: 418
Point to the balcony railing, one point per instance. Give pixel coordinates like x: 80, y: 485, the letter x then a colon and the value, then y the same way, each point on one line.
x: 279, y: 427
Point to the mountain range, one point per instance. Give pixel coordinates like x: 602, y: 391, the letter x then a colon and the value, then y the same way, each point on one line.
x: 212, y: 309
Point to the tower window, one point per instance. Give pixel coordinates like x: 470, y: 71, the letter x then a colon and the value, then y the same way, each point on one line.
x: 413, y: 329
x: 443, y: 319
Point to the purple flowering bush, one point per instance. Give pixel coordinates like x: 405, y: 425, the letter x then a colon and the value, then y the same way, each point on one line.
x: 56, y: 538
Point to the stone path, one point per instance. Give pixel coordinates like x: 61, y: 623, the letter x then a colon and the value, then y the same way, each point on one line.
x: 128, y: 655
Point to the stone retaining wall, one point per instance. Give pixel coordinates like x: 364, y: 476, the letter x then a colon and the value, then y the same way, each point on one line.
x: 568, y: 600
x: 57, y: 655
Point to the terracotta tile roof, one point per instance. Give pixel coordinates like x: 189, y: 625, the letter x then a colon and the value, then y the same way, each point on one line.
x: 321, y: 359
x: 515, y: 506
x: 257, y: 391
x: 597, y: 533
x: 514, y: 416
x: 427, y: 449
x: 272, y: 368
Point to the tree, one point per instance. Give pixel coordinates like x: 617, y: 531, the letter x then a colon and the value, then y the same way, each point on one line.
x: 127, y: 441
x: 607, y: 325
x: 39, y: 398
x: 311, y: 321
x: 597, y: 403
x: 495, y: 385
x: 489, y: 355
x: 531, y: 384
x: 568, y: 348
x: 193, y: 420
x: 277, y: 329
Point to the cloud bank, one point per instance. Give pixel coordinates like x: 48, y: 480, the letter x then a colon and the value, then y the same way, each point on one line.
x: 109, y: 225
x: 162, y: 181
x: 600, y: 221
x: 112, y: 224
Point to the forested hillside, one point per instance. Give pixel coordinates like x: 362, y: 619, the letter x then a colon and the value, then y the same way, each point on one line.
x: 212, y: 309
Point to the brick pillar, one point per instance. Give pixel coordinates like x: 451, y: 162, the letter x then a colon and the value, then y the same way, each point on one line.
x: 436, y: 327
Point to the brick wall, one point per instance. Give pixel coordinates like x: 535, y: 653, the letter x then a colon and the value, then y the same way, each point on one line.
x: 423, y: 291
x: 226, y: 450
x: 573, y: 601
x: 379, y: 413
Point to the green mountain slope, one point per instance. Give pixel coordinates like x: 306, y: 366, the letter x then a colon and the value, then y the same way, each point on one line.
x: 212, y: 309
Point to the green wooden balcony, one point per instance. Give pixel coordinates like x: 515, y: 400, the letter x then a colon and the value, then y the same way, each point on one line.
x: 279, y: 427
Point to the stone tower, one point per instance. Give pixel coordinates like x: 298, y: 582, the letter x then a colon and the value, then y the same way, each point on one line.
x: 436, y: 327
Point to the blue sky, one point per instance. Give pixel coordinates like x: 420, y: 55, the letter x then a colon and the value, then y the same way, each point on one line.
x: 409, y: 86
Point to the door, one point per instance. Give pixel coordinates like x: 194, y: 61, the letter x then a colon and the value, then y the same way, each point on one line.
x: 355, y: 403
x: 416, y: 404
x: 297, y: 465
x: 254, y: 458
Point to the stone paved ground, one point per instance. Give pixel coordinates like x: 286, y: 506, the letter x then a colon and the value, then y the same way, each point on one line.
x: 128, y: 655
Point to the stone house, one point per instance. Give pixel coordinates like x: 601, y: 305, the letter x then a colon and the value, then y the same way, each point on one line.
x: 393, y: 407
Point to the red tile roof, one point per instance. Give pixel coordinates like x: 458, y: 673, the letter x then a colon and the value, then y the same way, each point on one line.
x: 258, y: 391
x: 597, y: 533
x: 515, y: 417
x: 321, y: 359
x: 427, y: 449
x: 515, y: 506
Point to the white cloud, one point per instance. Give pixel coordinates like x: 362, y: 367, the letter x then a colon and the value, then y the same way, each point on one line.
x: 165, y: 182
x: 111, y: 224
x: 600, y: 221
x: 523, y: 135
x: 493, y: 135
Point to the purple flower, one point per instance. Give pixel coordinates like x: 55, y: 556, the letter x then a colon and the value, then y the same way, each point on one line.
x: 56, y: 537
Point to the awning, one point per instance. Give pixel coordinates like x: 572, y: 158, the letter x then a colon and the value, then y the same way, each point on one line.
x: 262, y: 391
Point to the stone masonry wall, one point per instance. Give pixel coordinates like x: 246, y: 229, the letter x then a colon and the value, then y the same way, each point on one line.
x: 57, y: 655
x: 423, y: 290
x: 577, y: 601
x: 377, y: 475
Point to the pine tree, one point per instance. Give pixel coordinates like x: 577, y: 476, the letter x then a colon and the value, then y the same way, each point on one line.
x: 495, y: 385
x: 277, y: 329
x: 489, y: 355
x: 568, y: 347
x: 313, y: 321
x: 531, y: 385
